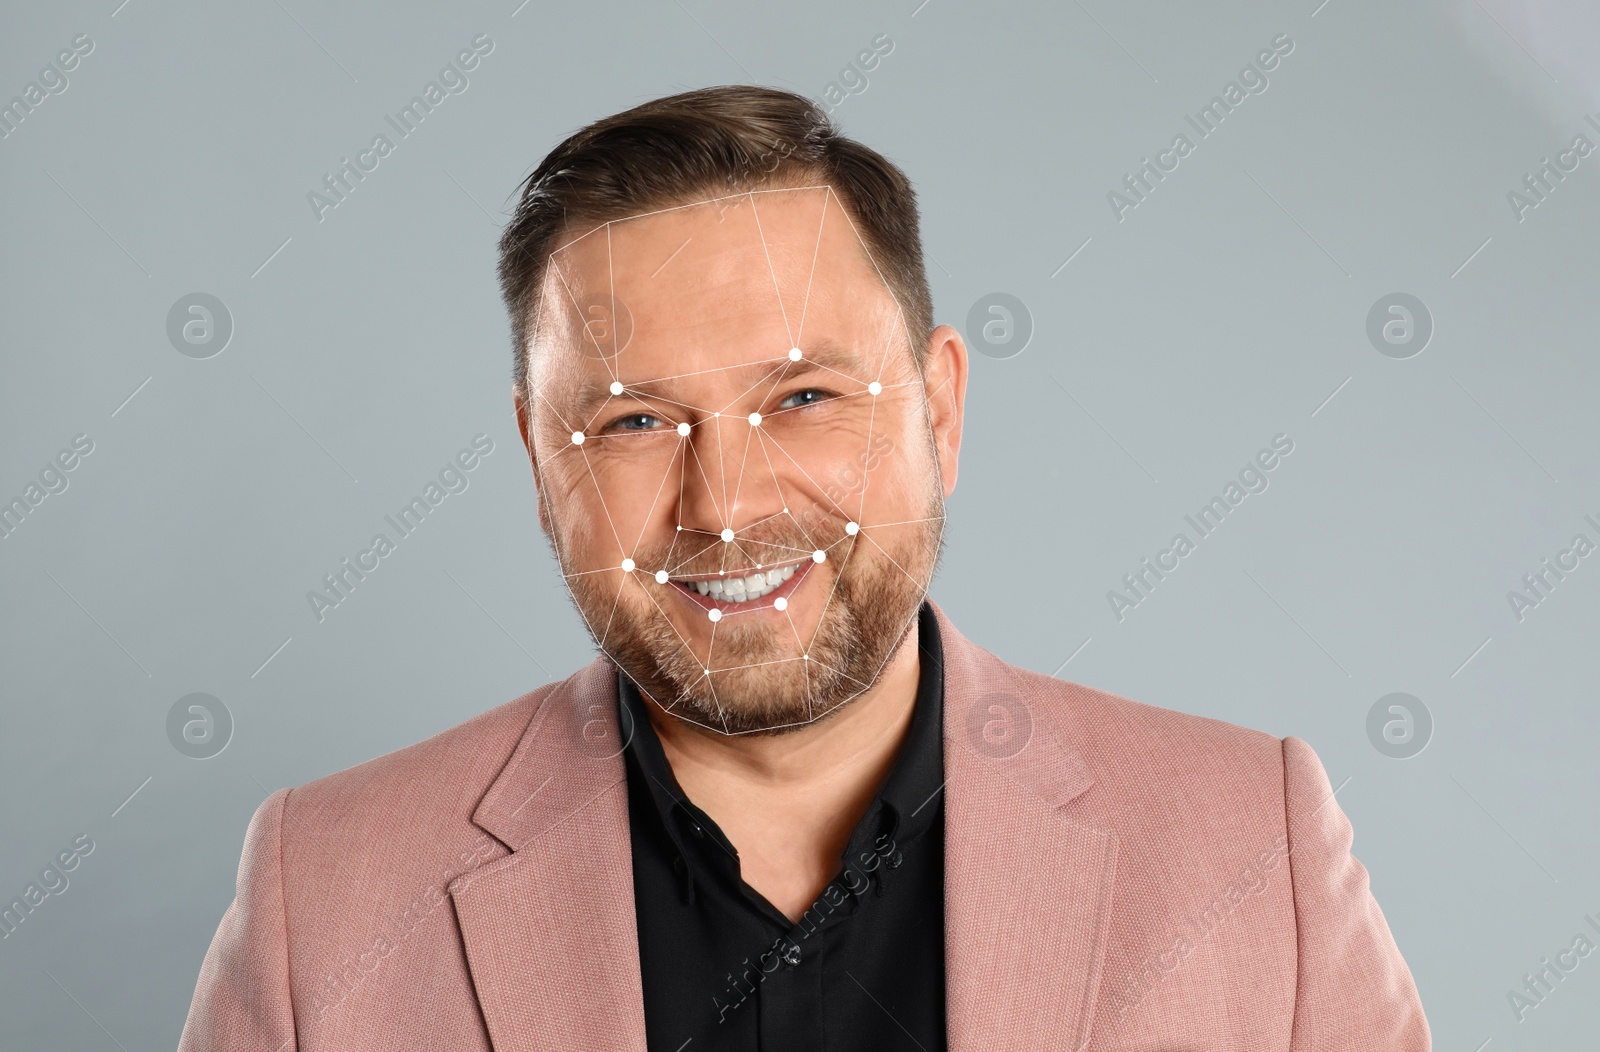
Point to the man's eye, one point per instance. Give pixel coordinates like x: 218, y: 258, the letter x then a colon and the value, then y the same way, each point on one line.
x: 801, y: 399
x: 636, y: 422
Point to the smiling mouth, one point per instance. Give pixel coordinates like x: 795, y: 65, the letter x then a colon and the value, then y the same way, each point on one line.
x: 747, y: 588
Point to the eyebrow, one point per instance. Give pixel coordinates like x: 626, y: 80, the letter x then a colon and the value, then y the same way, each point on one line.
x: 826, y: 356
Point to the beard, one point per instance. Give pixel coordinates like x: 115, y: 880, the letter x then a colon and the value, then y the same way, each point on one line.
x: 766, y: 678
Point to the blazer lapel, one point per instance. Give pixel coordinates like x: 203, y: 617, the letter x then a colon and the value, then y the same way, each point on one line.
x: 1027, y: 889
x: 549, y: 929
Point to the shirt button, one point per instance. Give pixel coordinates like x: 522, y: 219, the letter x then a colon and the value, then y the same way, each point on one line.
x: 791, y: 956
x: 694, y: 827
x: 894, y: 860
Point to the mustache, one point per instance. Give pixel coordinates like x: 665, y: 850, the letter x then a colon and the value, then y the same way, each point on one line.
x: 693, y: 553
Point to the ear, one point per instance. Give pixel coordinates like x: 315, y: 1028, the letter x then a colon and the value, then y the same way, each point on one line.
x: 944, y: 378
x: 519, y: 399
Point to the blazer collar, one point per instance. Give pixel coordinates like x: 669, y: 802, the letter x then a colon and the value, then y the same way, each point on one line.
x: 1028, y: 882
x: 570, y: 754
x: 549, y: 929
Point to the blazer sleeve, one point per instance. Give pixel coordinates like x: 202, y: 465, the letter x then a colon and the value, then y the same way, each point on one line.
x: 241, y: 1001
x: 1353, y: 990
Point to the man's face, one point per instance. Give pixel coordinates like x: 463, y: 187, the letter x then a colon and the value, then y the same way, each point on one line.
x: 734, y: 455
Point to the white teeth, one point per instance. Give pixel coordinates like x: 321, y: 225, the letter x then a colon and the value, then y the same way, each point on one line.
x: 744, y: 589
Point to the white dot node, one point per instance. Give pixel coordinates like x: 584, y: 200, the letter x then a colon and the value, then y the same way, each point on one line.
x: 755, y: 419
x: 661, y: 577
x: 780, y: 603
x: 715, y: 615
x: 627, y: 566
x: 713, y: 414
x: 705, y: 672
x: 577, y: 438
x: 805, y: 657
x: 683, y: 429
x: 851, y: 528
x: 819, y: 556
x: 874, y: 388
x: 727, y: 536
x: 794, y: 354
x: 616, y: 387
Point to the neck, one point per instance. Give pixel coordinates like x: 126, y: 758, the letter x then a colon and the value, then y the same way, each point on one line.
x: 789, y: 801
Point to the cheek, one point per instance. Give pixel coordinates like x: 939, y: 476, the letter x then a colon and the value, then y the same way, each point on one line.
x: 895, y: 491
x: 599, y: 496
x: 899, y: 466
x: 819, y: 463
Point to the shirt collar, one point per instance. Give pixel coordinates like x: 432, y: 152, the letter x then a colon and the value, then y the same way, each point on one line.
x: 914, y: 790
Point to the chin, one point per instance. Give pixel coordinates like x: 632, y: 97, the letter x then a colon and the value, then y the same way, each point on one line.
x: 763, y: 704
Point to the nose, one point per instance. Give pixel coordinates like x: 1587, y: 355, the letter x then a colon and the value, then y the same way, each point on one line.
x: 730, y: 476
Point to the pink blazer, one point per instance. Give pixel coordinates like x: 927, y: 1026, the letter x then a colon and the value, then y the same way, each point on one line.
x: 1118, y: 876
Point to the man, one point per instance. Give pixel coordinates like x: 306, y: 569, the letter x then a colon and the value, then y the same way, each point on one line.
x: 789, y: 805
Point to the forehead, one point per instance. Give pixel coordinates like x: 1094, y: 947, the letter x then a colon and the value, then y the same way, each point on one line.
x: 707, y: 287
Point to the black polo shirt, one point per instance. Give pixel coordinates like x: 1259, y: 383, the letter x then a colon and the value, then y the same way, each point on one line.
x: 723, y: 968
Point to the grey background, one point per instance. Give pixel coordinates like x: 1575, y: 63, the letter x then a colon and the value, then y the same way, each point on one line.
x: 1228, y: 307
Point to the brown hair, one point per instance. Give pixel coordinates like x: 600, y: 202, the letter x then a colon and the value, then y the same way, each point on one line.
x: 704, y: 144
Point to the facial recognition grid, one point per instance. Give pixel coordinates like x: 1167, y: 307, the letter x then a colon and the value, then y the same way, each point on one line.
x: 744, y: 577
